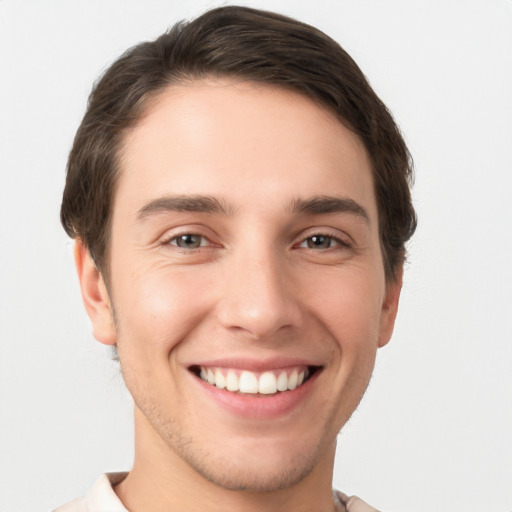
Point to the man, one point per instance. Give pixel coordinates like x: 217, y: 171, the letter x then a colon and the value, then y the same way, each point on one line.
x: 240, y: 202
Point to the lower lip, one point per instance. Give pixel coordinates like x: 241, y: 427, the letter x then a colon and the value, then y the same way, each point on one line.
x: 260, y: 406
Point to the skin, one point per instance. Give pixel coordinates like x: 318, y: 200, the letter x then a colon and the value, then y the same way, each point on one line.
x: 257, y: 288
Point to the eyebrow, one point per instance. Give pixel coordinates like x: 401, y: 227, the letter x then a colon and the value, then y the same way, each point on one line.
x: 182, y: 203
x: 316, y: 205
x: 328, y: 204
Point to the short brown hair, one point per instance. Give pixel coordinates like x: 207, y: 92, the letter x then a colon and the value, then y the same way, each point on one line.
x: 246, y: 44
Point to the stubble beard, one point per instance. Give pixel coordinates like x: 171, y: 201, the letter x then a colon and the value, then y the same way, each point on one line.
x: 229, y: 472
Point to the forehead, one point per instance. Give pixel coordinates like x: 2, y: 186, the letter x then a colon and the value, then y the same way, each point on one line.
x: 242, y: 140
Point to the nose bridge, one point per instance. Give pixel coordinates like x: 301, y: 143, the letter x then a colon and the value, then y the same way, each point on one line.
x: 258, y: 297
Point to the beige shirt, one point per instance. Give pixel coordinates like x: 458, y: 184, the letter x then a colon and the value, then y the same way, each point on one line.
x: 102, y: 498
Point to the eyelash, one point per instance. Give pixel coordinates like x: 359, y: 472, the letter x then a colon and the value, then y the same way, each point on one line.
x: 340, y: 243
x: 328, y: 237
x: 170, y: 241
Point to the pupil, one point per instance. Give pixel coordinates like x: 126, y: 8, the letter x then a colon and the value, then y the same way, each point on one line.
x: 320, y: 241
x: 188, y: 241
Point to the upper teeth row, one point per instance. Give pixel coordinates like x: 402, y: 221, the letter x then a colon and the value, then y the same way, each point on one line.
x: 266, y: 383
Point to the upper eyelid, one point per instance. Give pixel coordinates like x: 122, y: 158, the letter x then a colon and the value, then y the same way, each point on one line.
x: 339, y: 241
x: 336, y: 234
x: 196, y: 230
x: 169, y: 239
x: 174, y: 237
x: 183, y: 233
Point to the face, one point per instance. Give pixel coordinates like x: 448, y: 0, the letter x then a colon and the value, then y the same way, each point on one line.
x: 246, y: 281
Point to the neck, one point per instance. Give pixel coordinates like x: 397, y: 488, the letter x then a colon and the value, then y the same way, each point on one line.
x: 161, y: 481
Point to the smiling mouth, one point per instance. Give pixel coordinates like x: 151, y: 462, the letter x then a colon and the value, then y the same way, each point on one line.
x: 255, y: 383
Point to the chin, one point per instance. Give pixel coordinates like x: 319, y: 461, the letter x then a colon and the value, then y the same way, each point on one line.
x: 266, y: 476
x: 254, y: 461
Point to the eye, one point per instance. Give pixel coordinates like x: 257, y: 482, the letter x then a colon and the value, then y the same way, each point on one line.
x: 321, y: 242
x: 189, y: 241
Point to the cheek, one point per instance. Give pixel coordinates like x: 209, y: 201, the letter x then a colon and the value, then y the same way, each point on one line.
x: 349, y: 304
x: 157, y: 309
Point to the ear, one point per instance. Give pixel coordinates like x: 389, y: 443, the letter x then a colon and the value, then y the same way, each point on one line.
x: 95, y: 296
x: 390, y: 308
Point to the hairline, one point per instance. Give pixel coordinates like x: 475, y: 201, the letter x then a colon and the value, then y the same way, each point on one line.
x: 150, y: 100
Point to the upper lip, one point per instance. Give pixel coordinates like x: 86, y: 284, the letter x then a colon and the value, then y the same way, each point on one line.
x: 256, y: 365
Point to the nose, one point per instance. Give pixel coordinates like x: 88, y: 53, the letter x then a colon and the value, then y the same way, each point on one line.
x: 259, y: 295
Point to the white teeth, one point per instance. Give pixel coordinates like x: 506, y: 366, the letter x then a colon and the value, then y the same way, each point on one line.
x: 292, y: 380
x: 220, y: 381
x: 267, y: 383
x: 231, y: 381
x: 282, y: 382
x: 248, y: 383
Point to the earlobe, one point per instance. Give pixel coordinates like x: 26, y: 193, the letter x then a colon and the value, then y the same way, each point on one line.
x: 390, y: 308
x: 94, y: 295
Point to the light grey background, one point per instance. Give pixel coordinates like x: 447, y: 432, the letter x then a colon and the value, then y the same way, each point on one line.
x: 434, y: 432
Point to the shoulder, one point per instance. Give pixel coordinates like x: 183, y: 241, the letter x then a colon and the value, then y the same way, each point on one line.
x: 353, y: 503
x: 99, y: 498
x: 77, y: 505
